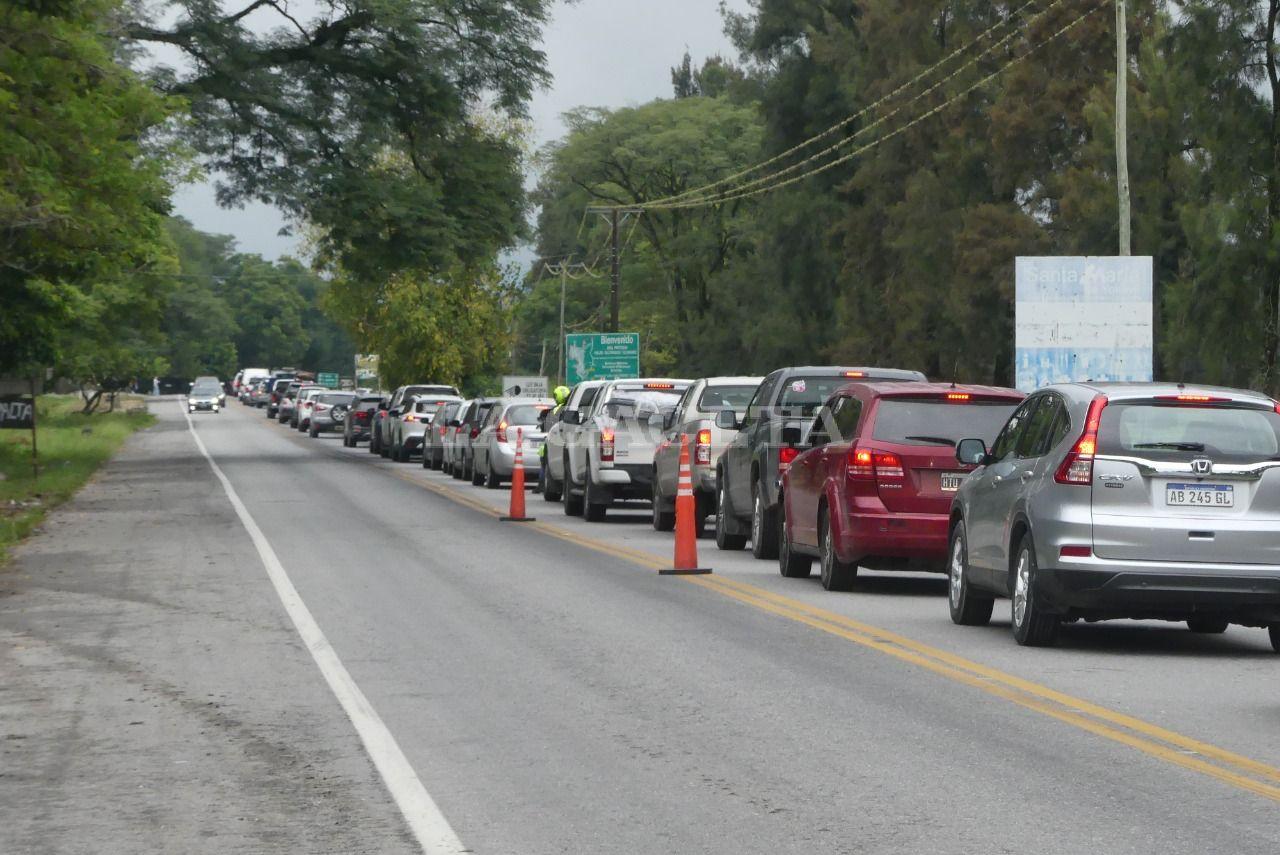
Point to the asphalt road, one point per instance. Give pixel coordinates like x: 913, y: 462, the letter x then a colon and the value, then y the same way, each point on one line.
x: 555, y: 694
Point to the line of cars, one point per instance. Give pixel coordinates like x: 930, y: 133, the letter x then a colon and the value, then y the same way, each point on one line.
x: 1081, y: 501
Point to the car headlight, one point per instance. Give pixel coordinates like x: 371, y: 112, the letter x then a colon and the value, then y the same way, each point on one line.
x: 191, y: 402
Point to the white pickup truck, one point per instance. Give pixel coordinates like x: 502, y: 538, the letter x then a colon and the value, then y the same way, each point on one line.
x: 611, y: 457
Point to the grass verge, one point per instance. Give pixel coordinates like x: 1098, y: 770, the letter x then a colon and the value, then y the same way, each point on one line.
x: 72, y: 447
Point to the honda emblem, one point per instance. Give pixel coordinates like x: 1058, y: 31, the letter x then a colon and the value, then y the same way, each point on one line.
x: 1202, y: 466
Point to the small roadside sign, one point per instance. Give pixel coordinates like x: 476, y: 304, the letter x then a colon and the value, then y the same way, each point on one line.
x: 328, y: 379
x: 367, y: 365
x: 601, y: 356
x: 525, y: 387
x: 17, y: 412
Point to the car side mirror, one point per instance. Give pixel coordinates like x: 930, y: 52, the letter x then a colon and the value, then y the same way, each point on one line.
x: 572, y: 417
x: 669, y: 420
x: 454, y: 423
x: 972, y: 452
x: 791, y: 435
x: 727, y: 419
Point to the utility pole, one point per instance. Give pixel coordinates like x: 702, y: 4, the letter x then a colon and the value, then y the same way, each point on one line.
x: 1122, y: 125
x: 563, y: 269
x: 616, y: 215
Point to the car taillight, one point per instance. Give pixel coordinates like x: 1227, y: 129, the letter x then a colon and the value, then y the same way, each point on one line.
x: 410, y: 417
x: 702, y: 449
x: 786, y: 454
x: 475, y: 432
x: 320, y: 408
x: 864, y: 464
x: 606, y: 445
x: 502, y: 431
x: 1192, y: 399
x: 444, y: 430
x: 457, y: 430
x: 1077, y: 466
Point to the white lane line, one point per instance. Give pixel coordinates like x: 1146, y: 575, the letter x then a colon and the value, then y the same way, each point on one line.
x: 428, y: 824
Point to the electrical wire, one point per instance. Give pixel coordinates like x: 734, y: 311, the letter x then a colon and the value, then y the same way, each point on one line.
x: 695, y: 203
x: 866, y: 129
x: 838, y: 126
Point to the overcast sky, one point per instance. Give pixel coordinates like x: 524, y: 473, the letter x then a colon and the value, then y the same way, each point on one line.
x: 602, y: 53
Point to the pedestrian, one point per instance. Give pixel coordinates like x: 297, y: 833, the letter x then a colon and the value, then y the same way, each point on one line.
x: 560, y: 395
x: 155, y: 385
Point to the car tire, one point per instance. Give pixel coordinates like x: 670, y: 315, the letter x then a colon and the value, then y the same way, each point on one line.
x: 426, y: 460
x: 437, y: 461
x: 724, y: 538
x: 764, y: 526
x: 1032, y: 625
x: 572, y: 503
x: 551, y: 488
x: 592, y: 511
x: 1274, y: 632
x: 491, y: 479
x: 313, y: 433
x: 663, y: 519
x: 791, y: 564
x: 1207, y: 626
x: 968, y: 607
x: 373, y: 442
x: 384, y: 451
x: 836, y: 575
x: 476, y: 478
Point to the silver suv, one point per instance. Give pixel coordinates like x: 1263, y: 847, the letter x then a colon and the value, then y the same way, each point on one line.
x: 1123, y: 500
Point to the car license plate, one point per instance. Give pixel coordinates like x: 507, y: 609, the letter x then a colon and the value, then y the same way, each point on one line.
x: 951, y: 481
x: 1200, y: 495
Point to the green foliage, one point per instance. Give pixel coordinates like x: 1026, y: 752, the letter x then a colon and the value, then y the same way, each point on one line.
x: 85, y: 176
x: 307, y: 115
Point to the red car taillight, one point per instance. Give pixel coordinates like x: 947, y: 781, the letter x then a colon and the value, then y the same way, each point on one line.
x: 1077, y: 466
x: 786, y: 454
x: 502, y: 431
x: 475, y: 432
x: 702, y: 449
x: 320, y: 408
x: 606, y: 445
x: 865, y: 465
x: 444, y: 430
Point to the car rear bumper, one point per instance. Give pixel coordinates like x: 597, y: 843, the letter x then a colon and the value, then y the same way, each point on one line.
x: 502, y: 458
x: 625, y: 481
x: 912, y: 536
x: 1098, y: 587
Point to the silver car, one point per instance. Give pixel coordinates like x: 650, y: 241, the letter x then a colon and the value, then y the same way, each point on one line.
x: 695, y: 417
x: 408, y: 430
x: 433, y: 441
x: 494, y: 449
x: 329, y: 412
x: 1123, y: 500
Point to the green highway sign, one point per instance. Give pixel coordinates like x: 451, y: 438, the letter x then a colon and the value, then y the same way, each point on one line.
x: 601, y: 356
x: 328, y: 379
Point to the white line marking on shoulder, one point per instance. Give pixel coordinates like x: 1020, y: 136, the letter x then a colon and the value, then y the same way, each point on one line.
x: 430, y: 828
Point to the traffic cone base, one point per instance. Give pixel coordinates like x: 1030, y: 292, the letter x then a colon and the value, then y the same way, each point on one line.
x: 686, y: 557
x: 516, y: 513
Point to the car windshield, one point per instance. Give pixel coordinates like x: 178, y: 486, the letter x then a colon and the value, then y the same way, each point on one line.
x: 1178, y: 432
x: 803, y: 395
x: 524, y: 414
x: 633, y: 404
x: 726, y: 397
x: 206, y: 389
x: 933, y: 422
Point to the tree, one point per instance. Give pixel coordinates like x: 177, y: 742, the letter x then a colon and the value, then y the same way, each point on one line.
x: 305, y: 116
x: 86, y: 184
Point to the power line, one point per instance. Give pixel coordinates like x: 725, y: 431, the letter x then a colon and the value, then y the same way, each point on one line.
x: 694, y: 203
x: 838, y: 126
x: 866, y: 129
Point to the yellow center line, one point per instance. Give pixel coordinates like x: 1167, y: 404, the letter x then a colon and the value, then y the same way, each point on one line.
x: 1150, y: 739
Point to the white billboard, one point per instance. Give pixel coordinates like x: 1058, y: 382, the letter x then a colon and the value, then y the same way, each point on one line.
x: 526, y: 387
x: 1082, y: 318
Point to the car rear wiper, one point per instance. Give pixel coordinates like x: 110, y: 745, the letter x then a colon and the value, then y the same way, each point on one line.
x: 1176, y: 446
x: 940, y: 440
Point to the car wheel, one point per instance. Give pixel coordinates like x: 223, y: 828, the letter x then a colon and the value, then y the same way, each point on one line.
x: 592, y: 511
x: 427, y: 460
x: 436, y: 461
x: 313, y: 433
x: 724, y: 539
x: 1274, y: 632
x: 663, y: 519
x: 791, y: 564
x: 1207, y: 626
x: 491, y: 479
x: 572, y: 503
x: 968, y: 607
x: 373, y: 442
x: 1032, y: 625
x: 837, y: 575
x: 476, y: 478
x: 764, y: 526
x: 384, y: 451
x: 551, y: 488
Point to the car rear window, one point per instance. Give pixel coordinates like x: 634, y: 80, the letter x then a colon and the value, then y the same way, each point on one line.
x: 630, y: 404
x: 806, y: 394
x: 1179, y: 432
x: 726, y: 397
x: 427, y: 407
x: 912, y: 421
x: 524, y: 414
x: 345, y: 400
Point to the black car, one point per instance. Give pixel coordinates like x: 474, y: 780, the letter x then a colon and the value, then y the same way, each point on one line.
x: 274, y: 393
x: 360, y: 419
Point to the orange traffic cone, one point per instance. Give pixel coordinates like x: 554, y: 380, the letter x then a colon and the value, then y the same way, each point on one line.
x: 516, y: 514
x: 686, y: 558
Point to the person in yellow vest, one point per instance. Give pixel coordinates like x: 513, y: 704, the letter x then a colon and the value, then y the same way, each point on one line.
x: 560, y: 395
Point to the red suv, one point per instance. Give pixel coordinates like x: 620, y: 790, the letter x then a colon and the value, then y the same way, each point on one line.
x: 877, y: 475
